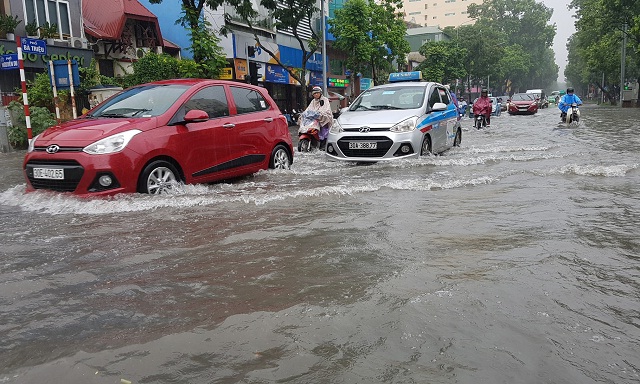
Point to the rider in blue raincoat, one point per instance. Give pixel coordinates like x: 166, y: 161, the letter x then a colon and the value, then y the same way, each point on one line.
x: 566, y: 101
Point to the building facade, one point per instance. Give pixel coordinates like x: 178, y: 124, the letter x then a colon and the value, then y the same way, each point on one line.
x: 438, y: 13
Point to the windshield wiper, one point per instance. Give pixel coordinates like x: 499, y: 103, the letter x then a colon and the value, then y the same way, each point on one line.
x: 363, y: 107
x: 384, y: 107
x: 110, y: 115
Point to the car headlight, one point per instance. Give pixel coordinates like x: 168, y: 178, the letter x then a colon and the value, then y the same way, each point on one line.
x: 336, y: 127
x: 405, y: 126
x: 112, y: 144
x: 32, y: 144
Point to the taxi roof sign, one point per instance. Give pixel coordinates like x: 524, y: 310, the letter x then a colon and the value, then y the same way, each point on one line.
x: 405, y: 76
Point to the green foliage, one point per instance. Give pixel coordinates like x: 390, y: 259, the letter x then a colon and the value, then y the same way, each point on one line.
x: 90, y: 77
x: 152, y: 67
x: 509, y: 26
x: 48, y: 31
x: 9, y: 23
x: 595, y: 48
x: 373, y: 34
x: 40, y: 118
x: 444, y: 61
x: 209, y: 58
x: 31, y: 28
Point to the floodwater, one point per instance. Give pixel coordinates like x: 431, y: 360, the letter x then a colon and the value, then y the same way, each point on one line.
x: 514, y: 258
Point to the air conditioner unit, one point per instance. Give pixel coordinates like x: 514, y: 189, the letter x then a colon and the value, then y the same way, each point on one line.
x: 77, y: 42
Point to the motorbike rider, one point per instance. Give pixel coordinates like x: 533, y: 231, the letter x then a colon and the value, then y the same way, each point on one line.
x: 565, y: 103
x: 482, y: 106
x: 320, y: 103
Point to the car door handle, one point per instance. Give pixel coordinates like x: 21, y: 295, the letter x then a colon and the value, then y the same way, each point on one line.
x: 228, y: 125
x: 268, y: 119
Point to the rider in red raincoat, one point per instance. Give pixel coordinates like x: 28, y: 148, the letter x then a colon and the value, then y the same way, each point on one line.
x: 482, y: 106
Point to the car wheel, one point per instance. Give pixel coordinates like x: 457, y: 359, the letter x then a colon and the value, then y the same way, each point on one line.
x: 280, y: 158
x: 158, y: 177
x: 425, y: 148
x: 458, y: 139
x: 304, y: 145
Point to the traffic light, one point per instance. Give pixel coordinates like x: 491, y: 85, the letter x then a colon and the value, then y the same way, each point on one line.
x: 251, y: 51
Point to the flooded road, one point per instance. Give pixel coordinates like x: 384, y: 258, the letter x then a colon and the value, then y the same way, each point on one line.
x: 514, y: 258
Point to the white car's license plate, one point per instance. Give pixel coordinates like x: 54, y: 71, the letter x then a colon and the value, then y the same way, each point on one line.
x: 48, y: 173
x: 362, y: 145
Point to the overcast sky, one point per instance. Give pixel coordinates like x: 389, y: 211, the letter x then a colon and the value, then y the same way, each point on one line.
x: 564, y: 21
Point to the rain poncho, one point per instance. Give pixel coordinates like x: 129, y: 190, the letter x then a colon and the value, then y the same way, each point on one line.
x: 325, y: 116
x: 482, y: 106
x: 567, y: 100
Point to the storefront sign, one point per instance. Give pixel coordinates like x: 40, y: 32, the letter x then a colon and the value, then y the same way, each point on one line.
x: 241, y: 68
x: 276, y: 74
x: 226, y: 73
x: 338, y: 83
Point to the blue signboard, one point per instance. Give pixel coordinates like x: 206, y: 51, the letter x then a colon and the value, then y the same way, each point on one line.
x: 33, y: 46
x: 315, y: 78
x: 61, y: 74
x: 365, y: 83
x: 405, y: 76
x: 10, y: 61
x: 276, y: 74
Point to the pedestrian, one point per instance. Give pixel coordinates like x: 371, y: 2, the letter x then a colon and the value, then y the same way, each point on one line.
x: 320, y: 103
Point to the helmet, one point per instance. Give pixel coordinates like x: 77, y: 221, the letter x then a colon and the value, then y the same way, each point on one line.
x: 316, y: 89
x: 570, y: 90
x: 484, y: 91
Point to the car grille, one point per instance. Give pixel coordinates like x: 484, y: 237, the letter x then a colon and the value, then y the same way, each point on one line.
x: 73, y: 172
x: 384, y: 143
x: 370, y: 129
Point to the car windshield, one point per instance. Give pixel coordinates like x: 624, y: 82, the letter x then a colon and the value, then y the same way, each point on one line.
x: 401, y: 97
x: 144, y: 101
x: 522, y: 97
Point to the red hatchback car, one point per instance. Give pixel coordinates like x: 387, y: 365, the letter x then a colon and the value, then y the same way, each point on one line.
x: 522, y: 104
x: 150, y: 137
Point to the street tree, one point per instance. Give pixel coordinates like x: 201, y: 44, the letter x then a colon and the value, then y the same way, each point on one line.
x: 444, y: 61
x: 525, y: 23
x: 373, y: 33
x: 289, y: 15
x: 205, y: 46
x: 595, y: 49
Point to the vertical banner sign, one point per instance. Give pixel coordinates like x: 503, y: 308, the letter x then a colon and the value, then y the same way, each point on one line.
x: 55, y: 90
x: 23, y: 83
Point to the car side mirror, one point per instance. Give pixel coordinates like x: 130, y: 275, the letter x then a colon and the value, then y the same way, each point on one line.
x: 439, y: 107
x: 196, y: 116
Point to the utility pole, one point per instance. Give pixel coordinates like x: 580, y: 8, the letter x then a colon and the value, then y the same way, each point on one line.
x: 623, y: 59
x: 324, y: 49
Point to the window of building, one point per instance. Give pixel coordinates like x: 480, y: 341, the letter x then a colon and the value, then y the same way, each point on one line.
x: 415, y: 13
x: 450, y: 14
x: 49, y: 11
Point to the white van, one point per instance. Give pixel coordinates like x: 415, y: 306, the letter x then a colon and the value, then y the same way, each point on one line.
x: 541, y: 98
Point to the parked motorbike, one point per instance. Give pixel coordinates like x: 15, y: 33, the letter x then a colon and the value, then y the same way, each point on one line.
x: 309, y: 131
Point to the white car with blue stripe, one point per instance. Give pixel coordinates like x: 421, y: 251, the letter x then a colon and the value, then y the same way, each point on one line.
x: 403, y: 119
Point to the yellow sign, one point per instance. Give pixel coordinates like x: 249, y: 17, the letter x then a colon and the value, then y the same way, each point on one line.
x: 242, y: 69
x: 226, y: 73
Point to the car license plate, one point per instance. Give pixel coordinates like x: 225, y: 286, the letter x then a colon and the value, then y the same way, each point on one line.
x: 48, y: 173
x: 362, y: 145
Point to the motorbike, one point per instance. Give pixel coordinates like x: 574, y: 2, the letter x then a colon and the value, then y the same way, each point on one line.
x: 308, y: 132
x: 479, y: 121
x: 573, y: 114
